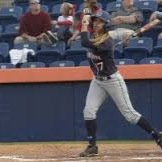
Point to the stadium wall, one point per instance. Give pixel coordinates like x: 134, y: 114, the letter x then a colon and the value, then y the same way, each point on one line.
x: 52, y: 111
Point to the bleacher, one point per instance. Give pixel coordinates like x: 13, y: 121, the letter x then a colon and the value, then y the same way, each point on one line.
x: 144, y: 50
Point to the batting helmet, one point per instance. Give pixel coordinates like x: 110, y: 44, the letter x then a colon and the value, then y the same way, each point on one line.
x: 105, y: 17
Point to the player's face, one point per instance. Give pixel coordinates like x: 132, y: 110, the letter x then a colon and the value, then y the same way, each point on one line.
x: 98, y: 25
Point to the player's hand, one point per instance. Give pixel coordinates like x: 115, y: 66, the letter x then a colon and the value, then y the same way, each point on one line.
x: 86, y: 19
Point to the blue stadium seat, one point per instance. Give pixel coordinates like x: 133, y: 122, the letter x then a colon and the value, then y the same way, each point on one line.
x: 113, y: 6
x: 157, y: 50
x: 84, y: 63
x: 16, y: 2
x: 76, y: 53
x: 138, y: 48
x: 81, y: 6
x: 124, y: 61
x: 44, y: 8
x: 59, y: 47
x: 146, y: 5
x: 48, y: 57
x: 118, y: 53
x: 62, y: 63
x: 15, y: 11
x: 10, y: 15
x: 151, y: 60
x: 33, y: 65
x: 22, y: 3
x: 147, y: 8
x: 9, y: 34
x: 6, y: 66
x: 29, y: 45
x: 49, y: 54
x: 4, y: 51
x: 55, y: 11
x: 1, y: 29
x: 51, y: 3
x: 12, y: 28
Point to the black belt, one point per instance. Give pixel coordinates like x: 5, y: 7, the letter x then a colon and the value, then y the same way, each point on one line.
x: 103, y: 78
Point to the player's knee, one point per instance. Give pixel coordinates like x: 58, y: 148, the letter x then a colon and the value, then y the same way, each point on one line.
x: 89, y: 114
x: 133, y: 119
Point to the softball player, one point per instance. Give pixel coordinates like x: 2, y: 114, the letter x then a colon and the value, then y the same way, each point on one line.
x: 107, y: 81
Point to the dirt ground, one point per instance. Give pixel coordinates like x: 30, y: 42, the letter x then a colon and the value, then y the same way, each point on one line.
x: 68, y: 152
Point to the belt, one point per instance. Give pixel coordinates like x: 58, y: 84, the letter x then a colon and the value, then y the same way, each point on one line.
x: 103, y: 78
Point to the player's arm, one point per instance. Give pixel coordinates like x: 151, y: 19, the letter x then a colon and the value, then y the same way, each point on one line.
x: 84, y: 32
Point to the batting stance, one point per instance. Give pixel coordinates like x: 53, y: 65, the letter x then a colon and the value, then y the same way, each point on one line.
x: 107, y: 81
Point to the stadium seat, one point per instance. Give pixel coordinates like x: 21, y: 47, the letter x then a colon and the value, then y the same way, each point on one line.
x: 10, y: 15
x: 29, y: 45
x: 157, y: 50
x: 151, y: 60
x: 113, y: 6
x: 22, y: 3
x: 81, y: 6
x: 55, y: 11
x: 84, y: 63
x: 63, y: 63
x: 76, y: 53
x: 16, y: 2
x: 59, y: 47
x: 138, y: 48
x: 1, y: 29
x: 33, y: 65
x: 124, y: 61
x: 15, y: 11
x: 48, y: 57
x: 49, y: 54
x: 51, y: 3
x: 9, y: 34
x: 6, y: 66
x: 118, y: 53
x: 147, y: 7
x: 12, y: 28
x: 4, y: 51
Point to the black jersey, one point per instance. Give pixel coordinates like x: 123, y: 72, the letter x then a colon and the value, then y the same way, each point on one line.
x: 101, y: 58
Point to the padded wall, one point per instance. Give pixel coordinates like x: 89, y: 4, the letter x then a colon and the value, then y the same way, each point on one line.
x: 53, y: 111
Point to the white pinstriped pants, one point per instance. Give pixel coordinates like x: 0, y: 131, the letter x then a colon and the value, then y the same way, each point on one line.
x: 117, y: 90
